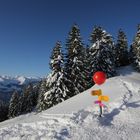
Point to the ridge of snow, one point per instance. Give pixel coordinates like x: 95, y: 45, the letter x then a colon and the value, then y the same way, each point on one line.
x: 16, y: 80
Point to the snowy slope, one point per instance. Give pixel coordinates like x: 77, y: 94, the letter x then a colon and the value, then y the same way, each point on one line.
x: 77, y: 118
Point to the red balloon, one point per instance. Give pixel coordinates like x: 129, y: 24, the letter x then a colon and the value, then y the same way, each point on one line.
x: 99, y: 77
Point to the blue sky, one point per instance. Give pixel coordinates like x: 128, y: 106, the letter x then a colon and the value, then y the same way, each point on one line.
x: 29, y: 29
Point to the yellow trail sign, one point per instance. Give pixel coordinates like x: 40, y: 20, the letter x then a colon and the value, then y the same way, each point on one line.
x: 96, y: 92
x: 103, y: 98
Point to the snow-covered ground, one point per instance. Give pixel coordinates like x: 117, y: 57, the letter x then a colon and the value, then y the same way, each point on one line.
x: 77, y: 118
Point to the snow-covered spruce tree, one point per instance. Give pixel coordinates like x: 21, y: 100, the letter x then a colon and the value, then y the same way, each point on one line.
x: 102, y: 52
x: 56, y: 83
x: 35, y: 92
x: 26, y: 100
x: 87, y: 67
x: 13, y: 106
x: 75, y: 66
x: 3, y: 111
x: 41, y: 104
x: 131, y: 55
x: 22, y: 102
x: 135, y: 50
x: 121, y: 49
x: 30, y: 101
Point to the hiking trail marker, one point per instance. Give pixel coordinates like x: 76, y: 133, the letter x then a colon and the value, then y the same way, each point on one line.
x: 99, y: 78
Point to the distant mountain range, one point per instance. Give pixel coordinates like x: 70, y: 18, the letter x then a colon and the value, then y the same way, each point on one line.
x: 9, y: 84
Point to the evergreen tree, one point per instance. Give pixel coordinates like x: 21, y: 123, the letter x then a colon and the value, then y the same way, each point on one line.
x: 56, y: 83
x: 26, y: 103
x: 131, y: 54
x: 13, y: 107
x: 75, y: 62
x: 36, y: 90
x: 3, y: 111
x: 20, y: 104
x: 30, y: 98
x: 41, y: 104
x: 89, y: 82
x: 102, y: 52
x: 121, y: 49
x: 135, y: 50
x: 23, y: 103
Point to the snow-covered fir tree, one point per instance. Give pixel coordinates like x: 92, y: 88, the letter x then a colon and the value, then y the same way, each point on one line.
x: 87, y: 67
x: 35, y: 92
x: 26, y: 101
x: 14, y: 105
x: 30, y: 98
x: 56, y: 83
x: 131, y: 55
x: 3, y: 111
x: 135, y: 50
x: 75, y: 66
x: 121, y: 49
x: 102, y: 52
x: 41, y: 104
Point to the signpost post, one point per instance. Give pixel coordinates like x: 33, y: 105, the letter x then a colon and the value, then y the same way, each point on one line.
x: 99, y: 78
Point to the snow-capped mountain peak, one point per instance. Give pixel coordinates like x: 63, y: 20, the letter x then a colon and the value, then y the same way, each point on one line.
x: 9, y: 84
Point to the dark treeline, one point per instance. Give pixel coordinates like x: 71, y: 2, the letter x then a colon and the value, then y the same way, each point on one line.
x: 72, y: 70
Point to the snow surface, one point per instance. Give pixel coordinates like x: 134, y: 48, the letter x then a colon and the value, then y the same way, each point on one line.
x: 77, y: 118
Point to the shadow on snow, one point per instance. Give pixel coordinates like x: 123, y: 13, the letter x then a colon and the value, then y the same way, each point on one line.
x: 107, y: 119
